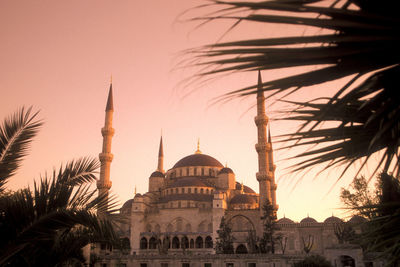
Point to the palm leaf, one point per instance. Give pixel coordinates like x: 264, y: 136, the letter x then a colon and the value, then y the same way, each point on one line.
x: 16, y: 134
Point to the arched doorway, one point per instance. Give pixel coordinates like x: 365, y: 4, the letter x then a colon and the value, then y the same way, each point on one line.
x: 143, y: 243
x: 208, y: 242
x: 347, y: 261
x: 153, y: 243
x: 241, y: 249
x: 175, y: 242
x: 199, y: 242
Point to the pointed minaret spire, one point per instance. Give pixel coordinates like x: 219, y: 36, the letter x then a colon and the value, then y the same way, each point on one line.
x: 104, y: 183
x: 110, y: 104
x: 265, y: 174
x: 198, y: 147
x: 160, y: 166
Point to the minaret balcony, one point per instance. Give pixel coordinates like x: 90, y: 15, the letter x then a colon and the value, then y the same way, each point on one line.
x: 262, y: 147
x: 107, y: 131
x: 261, y: 120
x: 265, y: 176
x: 104, y: 184
x: 106, y: 157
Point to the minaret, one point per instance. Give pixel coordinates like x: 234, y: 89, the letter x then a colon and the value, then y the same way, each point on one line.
x: 265, y: 174
x: 104, y: 183
x: 160, y: 166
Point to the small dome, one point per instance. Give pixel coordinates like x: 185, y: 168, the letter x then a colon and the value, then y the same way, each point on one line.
x: 127, y: 205
x: 285, y: 220
x: 356, y: 219
x: 157, y: 174
x: 308, y: 220
x: 225, y: 170
x: 242, y: 199
x: 333, y: 219
x: 198, y: 160
x: 188, y: 181
x: 246, y: 189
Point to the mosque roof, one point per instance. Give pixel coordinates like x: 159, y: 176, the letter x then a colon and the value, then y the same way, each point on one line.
x: 242, y: 199
x: 246, y: 189
x: 198, y: 160
x: 157, y: 174
x: 284, y: 220
x: 127, y: 204
x: 193, y: 197
x: 333, y: 219
x: 225, y: 170
x: 308, y: 220
x: 188, y: 181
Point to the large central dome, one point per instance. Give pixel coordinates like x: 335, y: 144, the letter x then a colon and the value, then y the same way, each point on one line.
x: 198, y: 160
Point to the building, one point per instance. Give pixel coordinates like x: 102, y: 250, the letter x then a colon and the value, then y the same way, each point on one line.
x: 175, y: 223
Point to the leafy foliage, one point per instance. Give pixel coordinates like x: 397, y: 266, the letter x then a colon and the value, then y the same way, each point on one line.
x: 360, y: 199
x: 50, y: 224
x: 224, y: 243
x: 268, y: 239
x: 358, y: 40
x: 313, y: 261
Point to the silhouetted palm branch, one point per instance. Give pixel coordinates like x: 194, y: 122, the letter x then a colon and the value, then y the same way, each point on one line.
x: 16, y: 134
x: 358, y: 40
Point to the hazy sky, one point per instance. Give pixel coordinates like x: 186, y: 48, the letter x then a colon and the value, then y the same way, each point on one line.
x: 58, y: 56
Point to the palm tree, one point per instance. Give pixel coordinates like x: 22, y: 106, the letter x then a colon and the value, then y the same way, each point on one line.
x: 358, y: 40
x: 50, y: 224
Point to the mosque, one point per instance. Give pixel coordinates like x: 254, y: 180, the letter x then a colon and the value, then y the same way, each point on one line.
x: 176, y: 222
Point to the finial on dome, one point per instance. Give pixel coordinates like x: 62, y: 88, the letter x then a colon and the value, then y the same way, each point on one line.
x: 135, y: 190
x: 198, y: 147
x: 241, y: 188
x: 226, y: 164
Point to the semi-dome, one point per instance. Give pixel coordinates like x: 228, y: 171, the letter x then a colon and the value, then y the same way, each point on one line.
x: 285, y: 220
x: 333, y: 219
x: 308, y: 220
x: 157, y: 174
x: 188, y: 181
x: 198, y: 160
x: 225, y: 170
x: 246, y: 189
x: 242, y: 199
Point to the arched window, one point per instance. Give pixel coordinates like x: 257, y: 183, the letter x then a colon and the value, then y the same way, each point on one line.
x: 182, y: 190
x: 143, y: 243
x: 201, y: 191
x: 202, y: 171
x: 241, y: 249
x: 175, y: 242
x: 195, y: 190
x: 169, y: 228
x: 153, y: 243
x: 176, y: 190
x: 201, y: 227
x: 208, y: 191
x: 179, y: 204
x: 189, y: 190
x: 148, y: 227
x: 199, y: 242
x: 185, y: 242
x: 209, y: 227
x: 191, y: 243
x: 166, y: 242
x: 188, y: 228
x: 208, y: 242
x: 195, y: 171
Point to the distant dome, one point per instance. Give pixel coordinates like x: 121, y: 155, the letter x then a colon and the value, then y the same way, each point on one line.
x: 242, y: 199
x: 188, y: 181
x: 246, y: 189
x: 157, y: 174
x: 333, y: 219
x: 198, y: 160
x: 285, y: 220
x: 308, y: 220
x: 356, y: 219
x: 225, y: 170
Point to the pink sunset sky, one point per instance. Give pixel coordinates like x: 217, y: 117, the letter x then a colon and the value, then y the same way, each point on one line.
x: 58, y: 56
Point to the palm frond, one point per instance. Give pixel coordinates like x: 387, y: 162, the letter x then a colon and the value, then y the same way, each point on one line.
x: 16, y: 134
